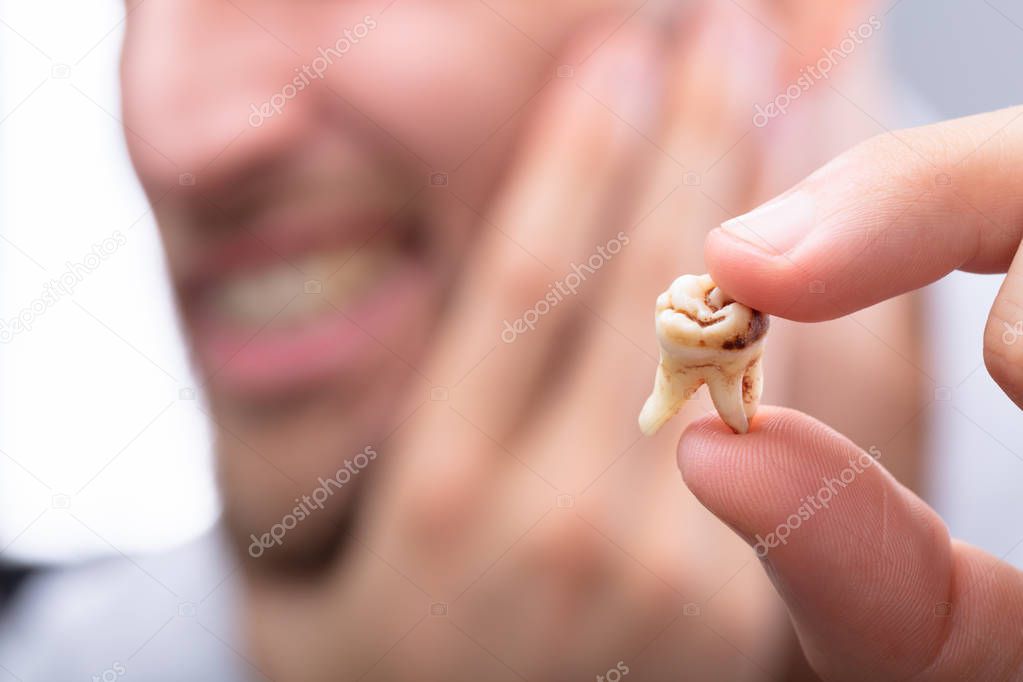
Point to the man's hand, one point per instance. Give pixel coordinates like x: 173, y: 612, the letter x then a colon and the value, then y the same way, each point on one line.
x: 520, y: 527
x: 873, y: 584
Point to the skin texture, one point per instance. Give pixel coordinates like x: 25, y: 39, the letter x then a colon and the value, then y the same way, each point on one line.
x: 510, y: 495
x: 902, y: 600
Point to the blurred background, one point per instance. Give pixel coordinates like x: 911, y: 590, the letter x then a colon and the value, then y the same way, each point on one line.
x: 103, y: 445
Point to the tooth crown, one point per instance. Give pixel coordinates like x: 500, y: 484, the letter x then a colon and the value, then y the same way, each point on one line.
x: 694, y: 313
x: 706, y: 338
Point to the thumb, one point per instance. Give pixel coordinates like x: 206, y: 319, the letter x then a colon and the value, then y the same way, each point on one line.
x: 873, y: 584
x: 889, y: 216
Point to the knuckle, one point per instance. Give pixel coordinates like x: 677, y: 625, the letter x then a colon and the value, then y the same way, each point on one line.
x: 573, y: 127
x: 437, y: 514
x: 566, y: 546
x: 653, y: 584
x: 522, y: 282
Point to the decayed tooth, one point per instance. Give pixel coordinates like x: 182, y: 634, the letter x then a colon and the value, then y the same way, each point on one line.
x: 277, y: 296
x: 346, y: 278
x: 706, y: 338
x: 257, y: 297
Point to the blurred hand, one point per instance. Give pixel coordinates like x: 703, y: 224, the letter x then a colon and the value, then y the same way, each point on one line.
x: 520, y: 528
x: 873, y: 584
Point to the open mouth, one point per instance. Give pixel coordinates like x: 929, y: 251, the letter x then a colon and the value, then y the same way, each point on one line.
x: 280, y: 311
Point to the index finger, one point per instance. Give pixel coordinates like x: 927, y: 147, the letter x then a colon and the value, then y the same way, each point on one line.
x: 891, y: 215
x: 875, y: 587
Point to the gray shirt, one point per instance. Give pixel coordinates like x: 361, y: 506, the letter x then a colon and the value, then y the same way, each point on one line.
x: 166, y: 617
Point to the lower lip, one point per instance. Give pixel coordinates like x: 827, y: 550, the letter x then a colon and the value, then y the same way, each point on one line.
x: 271, y: 361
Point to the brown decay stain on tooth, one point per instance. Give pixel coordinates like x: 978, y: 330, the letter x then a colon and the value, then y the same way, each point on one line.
x: 710, y: 304
x: 698, y: 320
x: 758, y: 326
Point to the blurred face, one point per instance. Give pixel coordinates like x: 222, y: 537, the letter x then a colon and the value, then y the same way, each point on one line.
x: 317, y: 170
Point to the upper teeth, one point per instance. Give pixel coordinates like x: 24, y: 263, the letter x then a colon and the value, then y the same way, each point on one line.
x: 289, y: 292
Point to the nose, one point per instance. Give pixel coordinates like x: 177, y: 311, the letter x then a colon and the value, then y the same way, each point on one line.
x: 195, y: 74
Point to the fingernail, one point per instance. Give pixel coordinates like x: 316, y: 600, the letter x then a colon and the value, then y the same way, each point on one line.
x: 668, y: 15
x: 778, y: 226
x: 753, y: 62
x: 629, y: 77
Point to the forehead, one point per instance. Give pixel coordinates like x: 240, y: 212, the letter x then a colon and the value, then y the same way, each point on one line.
x: 438, y: 75
x: 536, y: 22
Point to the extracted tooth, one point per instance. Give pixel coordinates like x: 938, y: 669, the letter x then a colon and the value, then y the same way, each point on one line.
x: 706, y: 338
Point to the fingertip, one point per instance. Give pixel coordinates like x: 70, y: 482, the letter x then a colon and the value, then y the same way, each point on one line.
x: 732, y: 473
x: 764, y: 281
x: 709, y: 434
x: 751, y: 481
x: 798, y: 286
x: 698, y: 439
x: 844, y: 541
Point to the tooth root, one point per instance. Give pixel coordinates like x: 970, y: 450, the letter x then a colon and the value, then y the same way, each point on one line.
x: 706, y: 337
x: 753, y: 387
x: 726, y: 392
x: 667, y: 398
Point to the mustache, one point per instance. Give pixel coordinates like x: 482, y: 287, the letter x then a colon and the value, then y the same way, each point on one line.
x: 316, y: 192
x: 286, y: 167
x: 325, y: 186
